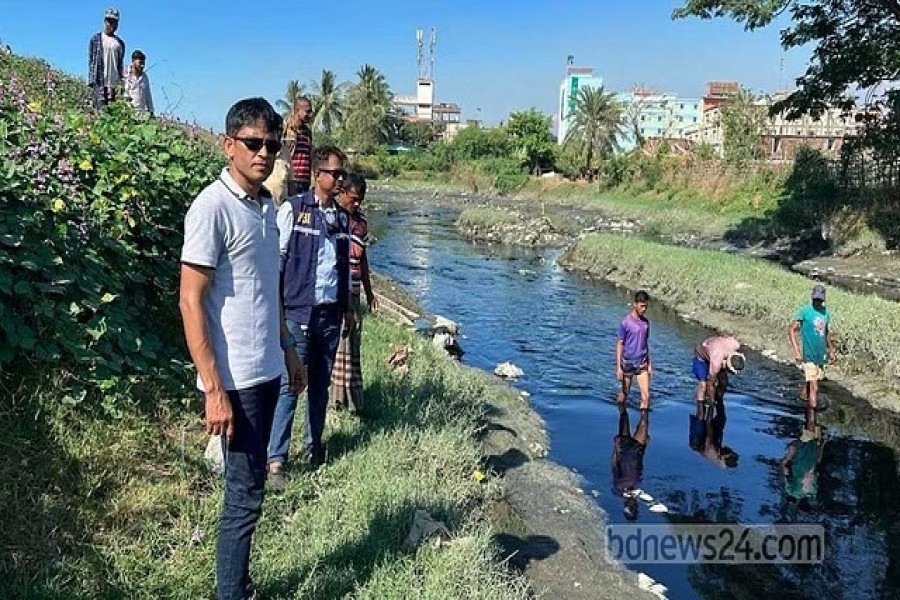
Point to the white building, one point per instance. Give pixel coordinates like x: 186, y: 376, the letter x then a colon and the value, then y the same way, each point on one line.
x: 576, y: 79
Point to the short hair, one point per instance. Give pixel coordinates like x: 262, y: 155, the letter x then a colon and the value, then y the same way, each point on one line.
x: 355, y: 181
x: 323, y: 153
x: 737, y: 362
x: 250, y: 111
x: 303, y: 99
x: 641, y: 296
x: 137, y: 54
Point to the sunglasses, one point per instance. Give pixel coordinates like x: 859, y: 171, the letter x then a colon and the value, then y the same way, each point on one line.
x: 336, y: 173
x: 255, y: 144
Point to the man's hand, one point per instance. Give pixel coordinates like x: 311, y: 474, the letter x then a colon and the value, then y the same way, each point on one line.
x: 620, y: 375
x: 832, y: 356
x: 373, y: 302
x: 797, y: 358
x: 296, y: 370
x: 219, y: 417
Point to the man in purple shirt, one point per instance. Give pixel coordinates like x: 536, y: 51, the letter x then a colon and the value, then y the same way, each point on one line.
x: 633, y: 352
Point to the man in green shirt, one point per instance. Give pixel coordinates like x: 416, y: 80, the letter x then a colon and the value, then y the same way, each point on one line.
x: 812, y: 321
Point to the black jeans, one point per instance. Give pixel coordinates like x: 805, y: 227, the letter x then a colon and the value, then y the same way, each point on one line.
x: 245, y: 482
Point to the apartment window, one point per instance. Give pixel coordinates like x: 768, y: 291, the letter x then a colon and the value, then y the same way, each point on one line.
x: 695, y: 119
x: 831, y: 143
x: 681, y: 106
x: 643, y: 117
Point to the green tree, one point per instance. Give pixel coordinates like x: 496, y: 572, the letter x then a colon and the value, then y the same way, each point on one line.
x: 597, y: 124
x: 328, y: 103
x: 742, y: 120
x: 418, y: 133
x: 474, y: 143
x: 294, y: 92
x: 368, y: 111
x: 529, y: 134
x: 856, y: 44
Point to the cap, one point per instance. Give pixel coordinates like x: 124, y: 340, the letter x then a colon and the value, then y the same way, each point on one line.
x: 111, y: 13
x: 818, y: 292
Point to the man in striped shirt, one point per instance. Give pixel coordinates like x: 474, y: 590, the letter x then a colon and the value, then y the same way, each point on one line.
x: 301, y: 163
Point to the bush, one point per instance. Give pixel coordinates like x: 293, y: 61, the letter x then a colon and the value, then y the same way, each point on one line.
x: 90, y: 237
x: 506, y: 174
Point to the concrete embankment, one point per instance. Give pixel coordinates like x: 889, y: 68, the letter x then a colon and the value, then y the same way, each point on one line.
x: 754, y: 300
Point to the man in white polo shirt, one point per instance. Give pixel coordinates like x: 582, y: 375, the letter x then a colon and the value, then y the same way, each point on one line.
x: 235, y: 331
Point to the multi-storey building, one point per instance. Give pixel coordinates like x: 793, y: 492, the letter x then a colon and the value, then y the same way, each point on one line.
x: 650, y: 115
x: 780, y: 137
x: 577, y: 78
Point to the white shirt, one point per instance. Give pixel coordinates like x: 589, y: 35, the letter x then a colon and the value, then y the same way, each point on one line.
x: 111, y: 50
x: 228, y: 231
x: 137, y: 90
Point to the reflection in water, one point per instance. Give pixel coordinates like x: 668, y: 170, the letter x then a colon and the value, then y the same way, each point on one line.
x: 706, y: 433
x: 802, y: 461
x: 517, y: 305
x: 628, y: 459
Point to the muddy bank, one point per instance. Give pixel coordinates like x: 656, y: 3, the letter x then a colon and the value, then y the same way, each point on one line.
x: 546, y: 528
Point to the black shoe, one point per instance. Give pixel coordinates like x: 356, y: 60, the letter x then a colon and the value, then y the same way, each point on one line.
x: 276, y: 480
x: 315, y: 457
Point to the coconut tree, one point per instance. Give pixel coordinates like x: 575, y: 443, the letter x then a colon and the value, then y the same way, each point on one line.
x: 295, y: 90
x: 328, y: 102
x: 368, y: 110
x: 597, y: 123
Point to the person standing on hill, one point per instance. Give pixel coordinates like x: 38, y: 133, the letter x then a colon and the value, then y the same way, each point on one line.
x: 106, y: 60
x: 314, y: 237
x: 813, y: 322
x: 714, y: 358
x: 301, y: 151
x: 137, y: 83
x: 633, y: 351
x: 234, y: 326
x: 346, y: 378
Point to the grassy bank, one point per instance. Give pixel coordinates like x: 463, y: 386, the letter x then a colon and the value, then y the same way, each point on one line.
x: 106, y: 508
x: 754, y: 300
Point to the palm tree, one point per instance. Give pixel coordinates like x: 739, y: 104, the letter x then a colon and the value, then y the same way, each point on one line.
x: 597, y: 123
x: 328, y: 100
x: 368, y: 109
x: 295, y: 91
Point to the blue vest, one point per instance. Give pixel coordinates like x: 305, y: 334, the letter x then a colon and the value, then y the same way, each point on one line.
x: 298, y: 277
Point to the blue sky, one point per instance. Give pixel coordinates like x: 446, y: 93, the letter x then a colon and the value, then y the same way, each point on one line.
x: 493, y: 55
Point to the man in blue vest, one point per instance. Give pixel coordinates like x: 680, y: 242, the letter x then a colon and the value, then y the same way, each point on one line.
x: 315, y: 261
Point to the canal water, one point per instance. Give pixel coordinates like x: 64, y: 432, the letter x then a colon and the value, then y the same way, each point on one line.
x: 520, y: 306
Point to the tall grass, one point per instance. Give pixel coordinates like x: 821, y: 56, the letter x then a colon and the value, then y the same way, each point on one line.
x: 762, y: 297
x: 106, y: 508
